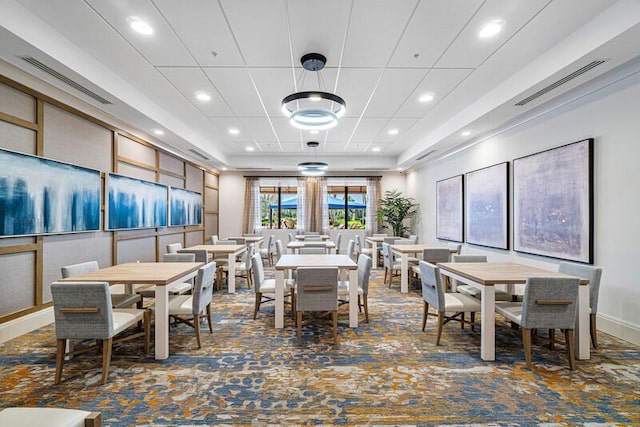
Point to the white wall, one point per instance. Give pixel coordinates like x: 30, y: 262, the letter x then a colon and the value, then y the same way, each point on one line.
x: 611, y: 117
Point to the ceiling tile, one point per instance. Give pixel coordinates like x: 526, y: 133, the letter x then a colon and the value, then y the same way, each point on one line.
x: 368, y: 129
x: 355, y: 86
x: 235, y: 86
x: 394, y: 88
x: 401, y: 125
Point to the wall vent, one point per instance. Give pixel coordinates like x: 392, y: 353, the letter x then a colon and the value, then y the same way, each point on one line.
x: 53, y: 73
x: 370, y: 169
x: 560, y: 82
x: 199, y: 154
x: 428, y: 153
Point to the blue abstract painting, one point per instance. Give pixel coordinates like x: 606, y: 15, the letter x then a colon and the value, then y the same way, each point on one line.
x: 553, y: 202
x: 185, y: 207
x: 134, y: 203
x: 487, y: 206
x: 41, y: 196
x: 449, y: 209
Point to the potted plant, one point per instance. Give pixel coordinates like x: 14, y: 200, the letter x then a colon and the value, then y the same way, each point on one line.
x: 393, y: 209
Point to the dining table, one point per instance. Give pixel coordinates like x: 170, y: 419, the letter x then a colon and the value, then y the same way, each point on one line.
x: 295, y: 247
x: 345, y: 265
x: 249, y: 239
x: 164, y: 275
x: 305, y: 236
x: 404, y: 251
x: 231, y: 251
x: 485, y: 275
x: 375, y: 242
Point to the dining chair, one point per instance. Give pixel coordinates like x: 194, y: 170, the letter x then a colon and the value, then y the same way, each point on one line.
x: 391, y: 267
x: 50, y: 417
x: 351, y: 248
x: 243, y: 267
x: 240, y: 240
x: 188, y: 309
x: 593, y: 274
x: 265, y: 289
x: 434, y: 293
x: 432, y: 256
x: 471, y: 291
x: 312, y: 233
x: 361, y: 249
x: 215, y: 239
x: 82, y: 311
x: 312, y: 250
x: 317, y: 291
x: 267, y: 252
x: 290, y: 237
x: 548, y: 303
x: 124, y: 300
x: 413, y: 238
x: 455, y: 247
x: 279, y: 250
x: 182, y: 288
x: 312, y: 238
x: 173, y: 248
x: 364, y: 273
x: 338, y: 242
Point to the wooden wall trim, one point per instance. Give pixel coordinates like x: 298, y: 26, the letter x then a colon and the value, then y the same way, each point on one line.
x: 173, y: 174
x: 24, y: 312
x: 18, y: 121
x: 30, y: 247
x: 136, y: 163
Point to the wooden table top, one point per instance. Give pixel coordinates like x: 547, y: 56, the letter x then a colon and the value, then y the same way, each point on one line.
x: 304, y: 236
x: 378, y: 239
x: 250, y: 239
x: 219, y: 249
x: 287, y: 262
x: 304, y: 244
x: 494, y: 273
x: 158, y: 273
x: 411, y: 249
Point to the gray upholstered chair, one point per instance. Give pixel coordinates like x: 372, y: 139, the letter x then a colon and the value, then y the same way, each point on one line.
x: 200, y: 255
x: 173, y: 248
x: 124, y: 300
x: 290, y: 237
x: 312, y: 238
x: 188, y: 308
x: 360, y: 249
x: 414, y: 239
x: 279, y: 250
x: 243, y: 267
x: 364, y: 273
x: 82, y: 311
x: 434, y: 294
x: 593, y: 274
x: 472, y: 291
x: 391, y: 267
x: 313, y: 248
x: 312, y: 233
x: 548, y: 303
x: 338, y: 242
x: 432, y: 256
x: 268, y: 251
x: 456, y: 247
x: 317, y: 291
x: 182, y: 288
x: 215, y: 239
x: 265, y: 289
x: 240, y: 240
x: 351, y: 246
x: 50, y: 417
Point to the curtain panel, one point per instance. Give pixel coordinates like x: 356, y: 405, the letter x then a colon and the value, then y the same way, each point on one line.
x: 373, y: 197
x: 251, y: 220
x: 312, y: 205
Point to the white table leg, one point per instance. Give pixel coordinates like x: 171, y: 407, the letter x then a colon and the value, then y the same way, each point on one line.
x: 582, y: 337
x: 353, y: 298
x: 488, y: 319
x: 279, y: 299
x: 162, y: 322
x: 374, y: 254
x: 231, y: 278
x: 404, y: 270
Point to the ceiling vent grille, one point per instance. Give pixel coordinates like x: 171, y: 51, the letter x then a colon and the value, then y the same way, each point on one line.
x: 199, y: 154
x: 560, y: 82
x: 43, y: 67
x: 371, y: 169
x: 425, y: 155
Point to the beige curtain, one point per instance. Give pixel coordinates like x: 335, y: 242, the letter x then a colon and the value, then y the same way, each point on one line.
x: 373, y: 196
x: 310, y: 204
x: 251, y: 216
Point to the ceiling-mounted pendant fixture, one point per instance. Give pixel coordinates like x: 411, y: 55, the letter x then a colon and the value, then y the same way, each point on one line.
x: 313, y: 168
x: 315, y: 109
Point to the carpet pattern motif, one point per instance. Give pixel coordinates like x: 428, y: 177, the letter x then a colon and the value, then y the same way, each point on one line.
x: 386, y: 372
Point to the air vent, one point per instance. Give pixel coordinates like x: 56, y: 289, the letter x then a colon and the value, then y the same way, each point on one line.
x: 560, y: 82
x: 370, y: 169
x: 199, y: 154
x: 39, y: 65
x: 425, y: 155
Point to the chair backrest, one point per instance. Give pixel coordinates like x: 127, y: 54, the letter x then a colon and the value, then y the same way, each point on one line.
x: 386, y: 256
x: 317, y: 289
x: 179, y: 257
x: 403, y: 242
x: 203, y: 287
x: 227, y: 242
x: 550, y: 302
x: 456, y: 247
x: 270, y: 248
x: 364, y: 272
x: 358, y: 247
x: 250, y: 235
x: 433, y: 287
x: 312, y: 238
x: 350, y: 248
x: 469, y: 258
x: 414, y: 238
x: 290, y: 237
x: 391, y: 240
x: 312, y: 233
x: 82, y: 310
x: 173, y: 248
x: 593, y: 274
x: 312, y: 250
x: 214, y: 239
x: 338, y: 242
x: 434, y: 256
x: 258, y: 272
x: 251, y: 249
x: 279, y: 249
x: 240, y: 240
x: 78, y: 269
x: 201, y: 255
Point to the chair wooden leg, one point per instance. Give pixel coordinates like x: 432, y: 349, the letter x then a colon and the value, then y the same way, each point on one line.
x: 209, y: 318
x: 526, y: 342
x: 385, y: 276
x: 147, y: 331
x: 552, y: 339
x: 293, y: 305
x: 257, y: 305
x: 462, y: 320
x: 61, y: 345
x: 334, y: 315
x: 106, y: 358
x: 440, y: 325
x: 299, y: 322
x: 359, y: 304
x: 196, y: 326
x: 473, y: 321
x: 424, y: 315
x: 568, y: 337
x: 593, y: 330
x: 365, y: 303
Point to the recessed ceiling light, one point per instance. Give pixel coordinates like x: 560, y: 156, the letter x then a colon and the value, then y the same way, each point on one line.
x: 158, y: 131
x: 465, y: 133
x: 140, y: 26
x: 427, y: 97
x: 203, y: 96
x: 233, y: 131
x: 224, y: 168
x: 392, y: 131
x: 376, y: 149
x: 249, y: 148
x: 491, y: 29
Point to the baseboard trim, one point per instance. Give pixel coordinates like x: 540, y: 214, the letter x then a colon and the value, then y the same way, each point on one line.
x: 619, y: 328
x: 25, y: 324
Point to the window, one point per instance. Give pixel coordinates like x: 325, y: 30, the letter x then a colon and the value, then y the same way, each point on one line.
x: 347, y: 205
x: 278, y: 203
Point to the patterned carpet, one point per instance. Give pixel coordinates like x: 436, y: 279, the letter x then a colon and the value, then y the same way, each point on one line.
x: 387, y: 372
